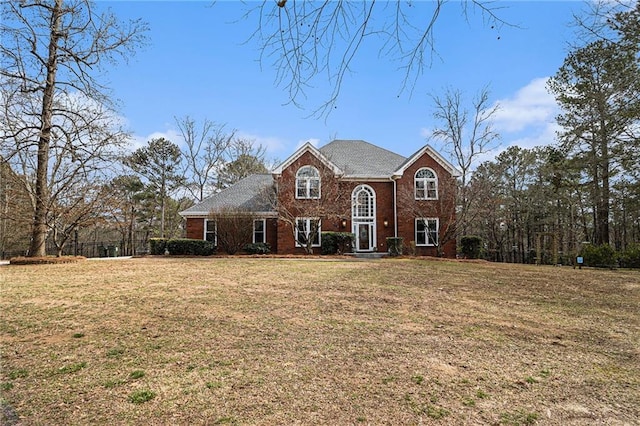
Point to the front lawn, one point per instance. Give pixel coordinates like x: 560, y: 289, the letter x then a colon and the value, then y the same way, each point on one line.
x: 315, y: 341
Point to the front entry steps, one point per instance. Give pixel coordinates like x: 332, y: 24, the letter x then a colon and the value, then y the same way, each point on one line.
x: 369, y: 255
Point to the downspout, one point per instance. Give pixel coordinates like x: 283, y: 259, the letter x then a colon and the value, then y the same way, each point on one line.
x: 395, y: 208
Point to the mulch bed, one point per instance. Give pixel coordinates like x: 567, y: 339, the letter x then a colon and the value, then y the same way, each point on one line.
x: 47, y: 260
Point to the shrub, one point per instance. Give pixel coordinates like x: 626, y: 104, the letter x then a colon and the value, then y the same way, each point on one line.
x: 394, y: 245
x: 157, y: 246
x: 630, y: 257
x: 470, y: 246
x: 186, y: 246
x: 336, y: 242
x: 602, y: 256
x: 257, y: 248
x: 234, y: 227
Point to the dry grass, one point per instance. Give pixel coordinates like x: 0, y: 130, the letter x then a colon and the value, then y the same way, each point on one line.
x: 290, y: 341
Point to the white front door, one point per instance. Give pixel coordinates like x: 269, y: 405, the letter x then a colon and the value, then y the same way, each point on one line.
x: 363, y: 217
x: 364, y: 236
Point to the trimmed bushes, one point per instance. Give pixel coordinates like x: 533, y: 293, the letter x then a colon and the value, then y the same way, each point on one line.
x: 257, y: 248
x: 157, y: 246
x: 394, y: 245
x: 181, y: 246
x: 336, y: 242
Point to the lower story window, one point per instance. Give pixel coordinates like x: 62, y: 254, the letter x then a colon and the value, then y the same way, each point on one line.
x: 307, y: 228
x: 427, y: 232
x: 210, y: 231
x: 259, y: 231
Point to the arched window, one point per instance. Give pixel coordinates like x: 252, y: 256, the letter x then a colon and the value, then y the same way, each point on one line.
x: 426, y: 184
x: 307, y: 182
x: 363, y: 202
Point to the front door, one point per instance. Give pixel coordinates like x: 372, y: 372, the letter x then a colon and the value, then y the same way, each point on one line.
x: 363, y: 215
x: 364, y: 234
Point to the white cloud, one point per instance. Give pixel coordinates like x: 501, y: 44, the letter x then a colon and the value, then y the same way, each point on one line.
x: 138, y: 141
x: 546, y: 136
x: 532, y: 105
x: 272, y: 144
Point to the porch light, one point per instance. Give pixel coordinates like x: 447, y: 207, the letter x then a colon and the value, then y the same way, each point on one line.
x: 385, y: 223
x: 344, y: 223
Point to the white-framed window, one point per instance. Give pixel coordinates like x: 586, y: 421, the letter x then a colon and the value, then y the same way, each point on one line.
x: 305, y: 227
x: 259, y: 231
x: 427, y: 231
x: 426, y: 184
x: 308, y: 182
x: 211, y: 231
x: 363, y: 202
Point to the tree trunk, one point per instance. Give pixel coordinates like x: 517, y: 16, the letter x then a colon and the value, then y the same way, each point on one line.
x: 39, y: 232
x: 605, y: 194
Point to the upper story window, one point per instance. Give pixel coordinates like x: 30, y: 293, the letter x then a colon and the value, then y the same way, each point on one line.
x: 426, y: 184
x: 363, y: 202
x: 308, y: 182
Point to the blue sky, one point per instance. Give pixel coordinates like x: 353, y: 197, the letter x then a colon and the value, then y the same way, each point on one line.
x: 199, y: 63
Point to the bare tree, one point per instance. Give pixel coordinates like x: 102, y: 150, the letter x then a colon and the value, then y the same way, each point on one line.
x: 207, y: 148
x: 234, y: 228
x: 442, y: 208
x: 466, y: 135
x: 78, y: 207
x: 15, y: 212
x: 304, y: 214
x: 123, y: 202
x: 83, y: 144
x: 53, y: 50
x: 306, y: 40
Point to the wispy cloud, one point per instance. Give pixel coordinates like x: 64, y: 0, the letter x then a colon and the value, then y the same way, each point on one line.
x: 531, y: 106
x: 272, y: 144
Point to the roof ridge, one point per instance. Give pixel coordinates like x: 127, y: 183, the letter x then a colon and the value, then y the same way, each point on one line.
x: 363, y: 141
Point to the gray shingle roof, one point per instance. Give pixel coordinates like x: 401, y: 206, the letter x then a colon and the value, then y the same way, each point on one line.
x: 360, y: 159
x: 247, y: 194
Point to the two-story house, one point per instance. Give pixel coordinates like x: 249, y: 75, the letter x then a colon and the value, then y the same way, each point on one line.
x: 345, y: 186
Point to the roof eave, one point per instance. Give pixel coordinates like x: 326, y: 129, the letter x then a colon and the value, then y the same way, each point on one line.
x: 307, y: 147
x: 435, y: 155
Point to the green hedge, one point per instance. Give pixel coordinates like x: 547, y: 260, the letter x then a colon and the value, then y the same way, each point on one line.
x: 185, y: 246
x: 603, y: 256
x: 257, y: 248
x: 336, y: 242
x: 630, y: 257
x: 157, y: 246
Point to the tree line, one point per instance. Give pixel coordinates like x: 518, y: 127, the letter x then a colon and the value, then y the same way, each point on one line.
x: 64, y: 165
x: 582, y: 189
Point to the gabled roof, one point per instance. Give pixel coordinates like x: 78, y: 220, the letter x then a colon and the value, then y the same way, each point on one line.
x: 248, y: 194
x: 360, y: 159
x: 427, y: 149
x: 307, y: 147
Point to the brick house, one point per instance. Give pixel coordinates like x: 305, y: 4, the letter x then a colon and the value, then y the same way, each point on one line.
x: 344, y: 186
